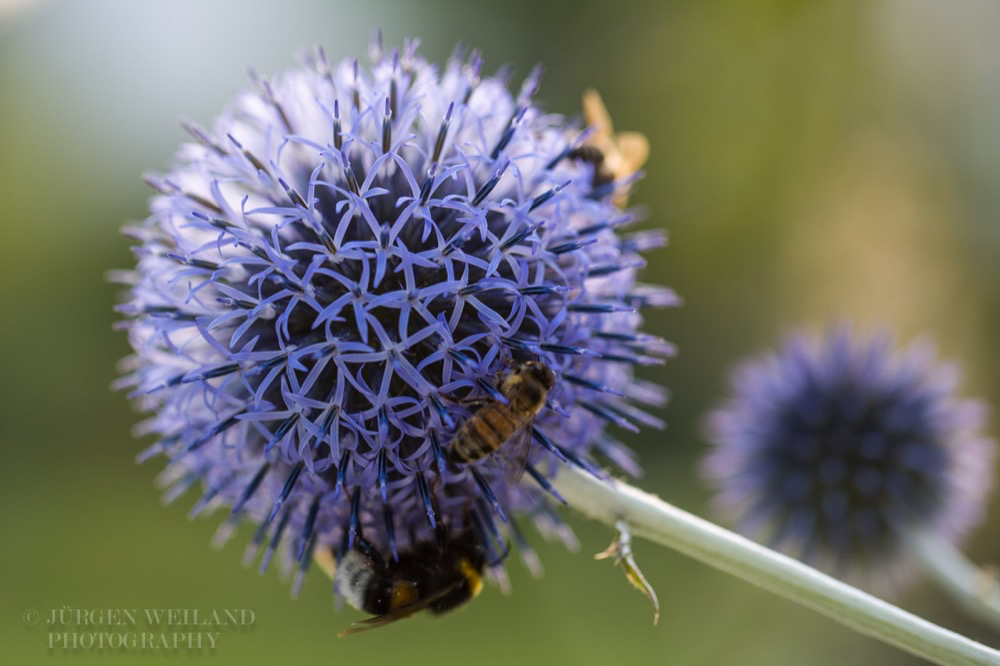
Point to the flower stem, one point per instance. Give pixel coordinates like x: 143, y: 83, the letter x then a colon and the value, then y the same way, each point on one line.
x: 654, y: 519
x: 976, y: 589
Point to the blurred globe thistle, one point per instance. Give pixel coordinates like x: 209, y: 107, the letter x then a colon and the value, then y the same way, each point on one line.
x: 835, y: 449
x: 341, y: 260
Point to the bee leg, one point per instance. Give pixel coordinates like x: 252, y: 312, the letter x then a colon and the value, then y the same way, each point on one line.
x: 465, y: 402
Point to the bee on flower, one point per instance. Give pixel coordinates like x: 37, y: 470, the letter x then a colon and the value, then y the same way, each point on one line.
x: 335, y: 279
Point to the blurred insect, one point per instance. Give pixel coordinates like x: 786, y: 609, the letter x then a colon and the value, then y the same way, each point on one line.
x: 506, y: 428
x: 436, y: 576
x: 613, y: 156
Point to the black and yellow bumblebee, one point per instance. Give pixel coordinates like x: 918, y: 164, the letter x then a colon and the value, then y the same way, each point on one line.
x: 436, y: 576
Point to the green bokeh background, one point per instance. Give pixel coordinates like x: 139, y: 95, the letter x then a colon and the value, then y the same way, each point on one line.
x: 811, y: 160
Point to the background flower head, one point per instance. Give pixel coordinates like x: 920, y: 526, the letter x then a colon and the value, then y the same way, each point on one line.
x: 833, y: 448
x: 343, y: 257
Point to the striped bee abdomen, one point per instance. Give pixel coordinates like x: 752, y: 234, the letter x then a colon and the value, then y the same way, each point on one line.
x: 484, y: 432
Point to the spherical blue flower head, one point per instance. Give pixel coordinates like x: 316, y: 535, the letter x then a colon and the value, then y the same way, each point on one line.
x: 833, y: 448
x: 346, y: 257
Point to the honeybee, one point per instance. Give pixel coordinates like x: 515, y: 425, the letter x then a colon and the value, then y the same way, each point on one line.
x: 436, y: 576
x: 506, y: 428
x: 613, y: 156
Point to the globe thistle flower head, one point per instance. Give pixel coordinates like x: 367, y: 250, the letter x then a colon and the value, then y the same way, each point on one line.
x: 833, y: 448
x: 348, y: 257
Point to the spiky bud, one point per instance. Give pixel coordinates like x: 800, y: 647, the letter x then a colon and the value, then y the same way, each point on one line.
x: 834, y: 448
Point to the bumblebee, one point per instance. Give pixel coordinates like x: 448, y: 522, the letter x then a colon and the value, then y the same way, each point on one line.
x: 506, y: 428
x: 613, y: 156
x: 436, y: 576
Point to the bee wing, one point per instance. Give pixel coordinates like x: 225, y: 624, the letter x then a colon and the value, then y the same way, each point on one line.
x: 400, y: 613
x: 513, y: 454
x: 633, y: 148
x: 596, y: 115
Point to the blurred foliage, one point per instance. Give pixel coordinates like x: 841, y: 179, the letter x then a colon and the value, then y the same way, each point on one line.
x: 811, y: 160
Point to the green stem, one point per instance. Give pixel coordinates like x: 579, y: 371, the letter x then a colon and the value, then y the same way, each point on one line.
x: 975, y: 589
x: 654, y: 519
